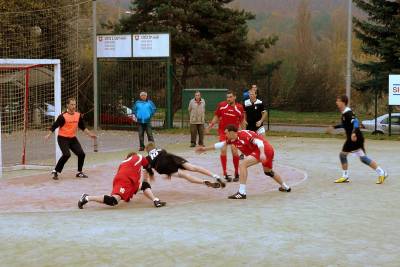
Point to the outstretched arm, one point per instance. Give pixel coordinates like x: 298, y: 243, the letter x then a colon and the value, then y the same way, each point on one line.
x: 216, y: 146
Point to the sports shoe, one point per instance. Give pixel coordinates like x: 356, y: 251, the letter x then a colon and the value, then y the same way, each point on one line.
x: 55, y: 175
x: 236, y: 179
x: 284, y: 189
x: 241, y: 157
x: 221, y: 182
x: 342, y: 180
x: 237, y: 196
x: 159, y: 203
x: 382, y: 178
x: 81, y: 175
x: 228, y: 178
x: 212, y: 184
x: 82, y: 201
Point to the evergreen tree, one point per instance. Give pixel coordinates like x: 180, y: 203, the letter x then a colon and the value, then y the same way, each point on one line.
x: 380, y: 35
x: 206, y: 36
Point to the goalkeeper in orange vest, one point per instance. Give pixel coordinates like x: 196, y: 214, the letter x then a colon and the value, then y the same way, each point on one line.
x: 68, y: 123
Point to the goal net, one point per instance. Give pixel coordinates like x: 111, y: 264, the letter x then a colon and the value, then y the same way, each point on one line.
x: 30, y: 100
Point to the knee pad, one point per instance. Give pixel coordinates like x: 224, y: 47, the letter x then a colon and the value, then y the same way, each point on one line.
x: 343, y: 158
x: 270, y: 173
x: 110, y: 200
x: 365, y: 160
x: 145, y: 185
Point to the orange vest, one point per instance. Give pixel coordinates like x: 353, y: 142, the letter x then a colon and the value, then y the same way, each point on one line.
x: 71, y: 125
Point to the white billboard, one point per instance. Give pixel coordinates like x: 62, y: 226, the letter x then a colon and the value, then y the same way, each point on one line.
x: 394, y: 90
x: 150, y: 45
x: 114, y: 46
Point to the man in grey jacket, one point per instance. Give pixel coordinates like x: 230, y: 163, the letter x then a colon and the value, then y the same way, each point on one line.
x: 197, y: 118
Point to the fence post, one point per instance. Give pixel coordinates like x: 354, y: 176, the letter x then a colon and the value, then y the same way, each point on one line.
x: 169, y: 96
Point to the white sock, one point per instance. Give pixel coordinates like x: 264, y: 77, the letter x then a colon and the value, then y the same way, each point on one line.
x: 216, y: 176
x: 346, y: 173
x: 380, y: 171
x: 87, y: 198
x: 285, y: 186
x: 242, y: 189
x: 156, y: 199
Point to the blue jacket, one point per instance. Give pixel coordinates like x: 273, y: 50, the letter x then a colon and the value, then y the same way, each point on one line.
x: 246, y: 95
x: 144, y: 110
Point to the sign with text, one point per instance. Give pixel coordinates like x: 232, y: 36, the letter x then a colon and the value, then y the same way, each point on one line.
x: 150, y: 45
x: 114, y: 46
x: 394, y: 90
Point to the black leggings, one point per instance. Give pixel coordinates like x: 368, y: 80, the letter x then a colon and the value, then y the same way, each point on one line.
x: 65, y: 145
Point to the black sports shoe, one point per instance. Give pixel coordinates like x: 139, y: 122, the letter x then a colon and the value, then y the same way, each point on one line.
x: 212, y: 184
x: 237, y: 196
x: 81, y: 175
x: 221, y: 182
x: 159, y: 203
x: 241, y: 157
x: 236, y: 179
x: 82, y: 201
x: 282, y: 189
x: 228, y: 178
x: 55, y: 175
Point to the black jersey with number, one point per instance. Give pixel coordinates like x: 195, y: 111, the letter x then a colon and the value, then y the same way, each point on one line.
x: 164, y: 162
x: 254, y: 113
x: 348, y: 118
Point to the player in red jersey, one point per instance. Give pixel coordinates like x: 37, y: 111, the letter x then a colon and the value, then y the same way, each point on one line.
x: 256, y: 149
x: 127, y: 183
x: 228, y: 112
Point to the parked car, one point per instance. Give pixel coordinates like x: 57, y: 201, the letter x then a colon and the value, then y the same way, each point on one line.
x: 382, y: 125
x: 117, y: 115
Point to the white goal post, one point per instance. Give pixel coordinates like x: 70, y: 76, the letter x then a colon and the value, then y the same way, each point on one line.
x: 15, y: 73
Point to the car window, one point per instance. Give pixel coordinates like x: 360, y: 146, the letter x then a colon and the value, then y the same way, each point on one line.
x: 395, y: 120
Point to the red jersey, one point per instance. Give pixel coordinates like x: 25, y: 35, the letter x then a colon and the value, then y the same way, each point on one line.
x: 228, y: 114
x: 244, y: 142
x: 131, y: 167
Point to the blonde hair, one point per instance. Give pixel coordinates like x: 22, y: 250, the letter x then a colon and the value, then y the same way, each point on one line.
x: 150, y: 146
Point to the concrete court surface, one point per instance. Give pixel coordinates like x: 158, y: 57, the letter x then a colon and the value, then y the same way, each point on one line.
x: 318, y: 224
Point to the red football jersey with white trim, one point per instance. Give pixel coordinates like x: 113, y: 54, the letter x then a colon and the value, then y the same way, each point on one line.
x: 244, y: 142
x: 132, y: 167
x: 228, y: 114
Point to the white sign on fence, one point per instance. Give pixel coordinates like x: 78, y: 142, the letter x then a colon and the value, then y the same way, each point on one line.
x: 150, y: 45
x: 114, y: 46
x: 394, y: 90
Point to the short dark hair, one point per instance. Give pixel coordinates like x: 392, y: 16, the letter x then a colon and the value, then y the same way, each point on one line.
x: 71, y: 99
x: 130, y: 154
x: 231, y: 128
x: 343, y: 98
x: 230, y: 92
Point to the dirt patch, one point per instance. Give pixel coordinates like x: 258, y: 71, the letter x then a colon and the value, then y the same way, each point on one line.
x: 38, y: 193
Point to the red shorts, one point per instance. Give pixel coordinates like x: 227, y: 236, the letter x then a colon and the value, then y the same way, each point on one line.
x: 269, y: 153
x: 125, y: 187
x: 222, y: 135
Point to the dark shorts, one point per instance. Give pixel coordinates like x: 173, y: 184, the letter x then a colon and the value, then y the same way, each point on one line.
x: 253, y: 127
x: 170, y: 164
x: 350, y: 146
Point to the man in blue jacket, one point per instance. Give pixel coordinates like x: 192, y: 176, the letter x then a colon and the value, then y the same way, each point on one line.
x: 144, y: 109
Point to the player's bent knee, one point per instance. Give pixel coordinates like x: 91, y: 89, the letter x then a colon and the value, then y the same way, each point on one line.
x: 366, y: 160
x: 270, y: 173
x: 145, y: 185
x: 110, y: 200
x: 343, y: 157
